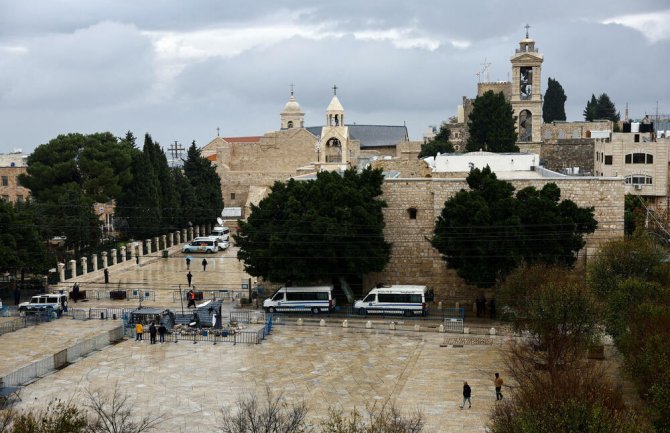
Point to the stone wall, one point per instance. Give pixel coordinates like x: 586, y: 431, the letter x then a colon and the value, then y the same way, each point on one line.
x: 406, y: 167
x: 496, y: 87
x: 560, y: 154
x: 573, y: 130
x: 413, y: 259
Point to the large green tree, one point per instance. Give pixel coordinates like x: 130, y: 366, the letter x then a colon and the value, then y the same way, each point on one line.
x: 21, y: 249
x: 601, y: 108
x: 206, y: 184
x: 553, y: 107
x: 486, y: 232
x: 307, y: 231
x: 492, y: 124
x: 438, y: 144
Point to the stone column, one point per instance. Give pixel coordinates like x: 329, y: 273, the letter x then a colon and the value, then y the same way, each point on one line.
x: 190, y: 234
x: 113, y: 256
x: 61, y: 271
x: 184, y: 235
x: 164, y: 241
x: 139, y: 251
x: 94, y: 259
x: 178, y: 237
x: 171, y: 239
x: 73, y: 268
x: 209, y: 228
x: 104, y: 259
x: 158, y: 245
x: 84, y: 265
x: 123, y: 254
x: 148, y: 242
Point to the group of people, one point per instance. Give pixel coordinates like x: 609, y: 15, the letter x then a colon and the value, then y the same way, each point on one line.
x: 480, y: 306
x: 154, y: 330
x: 467, y: 391
x: 188, y: 264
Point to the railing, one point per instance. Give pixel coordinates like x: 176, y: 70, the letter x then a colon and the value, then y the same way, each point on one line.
x: 146, y: 295
x: 107, y: 313
x: 13, y: 325
x: 60, y: 359
x: 453, y: 313
x: 247, y: 316
x: 245, y: 336
x: 453, y: 325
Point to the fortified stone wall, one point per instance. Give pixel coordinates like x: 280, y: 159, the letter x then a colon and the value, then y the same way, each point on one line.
x: 496, y: 87
x: 235, y: 184
x: 567, y: 130
x: 413, y: 259
x: 560, y: 154
x: 407, y: 167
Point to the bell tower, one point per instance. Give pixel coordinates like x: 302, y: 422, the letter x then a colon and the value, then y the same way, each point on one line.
x: 526, y: 97
x: 292, y: 116
x: 334, y: 144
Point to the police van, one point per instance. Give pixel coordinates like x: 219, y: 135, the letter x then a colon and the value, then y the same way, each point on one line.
x: 317, y: 299
x: 407, y: 300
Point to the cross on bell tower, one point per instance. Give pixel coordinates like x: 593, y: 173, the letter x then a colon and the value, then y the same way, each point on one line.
x: 527, y: 27
x: 335, y: 90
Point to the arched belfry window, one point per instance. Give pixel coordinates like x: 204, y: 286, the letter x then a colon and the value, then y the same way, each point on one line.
x: 411, y: 212
x: 525, y: 126
x: 290, y: 124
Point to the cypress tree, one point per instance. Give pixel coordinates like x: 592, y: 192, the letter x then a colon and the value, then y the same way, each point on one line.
x: 554, y: 102
x: 492, y: 124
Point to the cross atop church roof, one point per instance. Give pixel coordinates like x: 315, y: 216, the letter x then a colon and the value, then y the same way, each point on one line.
x: 527, y: 27
x: 335, y: 90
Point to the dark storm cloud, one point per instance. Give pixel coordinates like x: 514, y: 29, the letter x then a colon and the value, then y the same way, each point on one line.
x: 179, y: 69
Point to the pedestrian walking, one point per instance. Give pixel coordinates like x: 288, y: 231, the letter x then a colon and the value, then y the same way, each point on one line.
x: 498, y: 382
x: 189, y: 276
x: 188, y: 263
x: 467, y: 392
x: 106, y: 272
x: 162, y: 330
x: 137, y: 260
x: 204, y: 265
x: 152, y: 333
x: 75, y: 292
x: 139, y: 330
x: 190, y: 295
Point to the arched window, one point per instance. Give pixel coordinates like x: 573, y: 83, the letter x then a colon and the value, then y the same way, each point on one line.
x: 411, y: 212
x: 290, y: 124
x: 525, y: 126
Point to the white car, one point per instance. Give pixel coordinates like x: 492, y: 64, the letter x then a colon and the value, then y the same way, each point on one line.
x: 201, y: 246
x: 221, y: 244
x: 38, y: 303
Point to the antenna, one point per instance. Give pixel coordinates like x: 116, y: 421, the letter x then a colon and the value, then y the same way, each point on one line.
x: 485, y: 70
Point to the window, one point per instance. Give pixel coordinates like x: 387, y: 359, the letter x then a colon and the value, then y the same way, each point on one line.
x: 279, y: 296
x: 608, y: 159
x: 232, y: 196
x: 628, y: 159
x: 290, y: 124
x: 307, y: 296
x: 5, y: 181
x: 637, y: 138
x: 638, y: 179
x: 370, y: 298
x: 650, y: 158
x: 412, y: 213
x: 639, y: 158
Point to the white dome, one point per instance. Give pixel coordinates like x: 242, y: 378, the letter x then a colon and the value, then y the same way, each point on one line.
x: 292, y: 105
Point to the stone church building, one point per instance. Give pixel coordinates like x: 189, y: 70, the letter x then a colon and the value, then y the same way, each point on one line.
x: 414, y: 191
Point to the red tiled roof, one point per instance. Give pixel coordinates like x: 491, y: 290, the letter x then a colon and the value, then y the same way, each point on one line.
x: 242, y: 139
x: 212, y: 157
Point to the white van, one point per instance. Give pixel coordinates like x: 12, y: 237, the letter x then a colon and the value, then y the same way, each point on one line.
x: 223, y: 233
x: 222, y: 245
x: 316, y: 299
x: 201, y: 246
x: 38, y: 303
x: 399, y: 299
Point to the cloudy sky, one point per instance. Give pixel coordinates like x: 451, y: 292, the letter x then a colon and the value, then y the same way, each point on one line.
x: 179, y: 69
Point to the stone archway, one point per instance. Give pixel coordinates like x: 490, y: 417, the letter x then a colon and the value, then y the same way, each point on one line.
x: 333, y: 150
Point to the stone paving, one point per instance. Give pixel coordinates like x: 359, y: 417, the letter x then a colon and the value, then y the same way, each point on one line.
x: 23, y: 346
x: 325, y: 367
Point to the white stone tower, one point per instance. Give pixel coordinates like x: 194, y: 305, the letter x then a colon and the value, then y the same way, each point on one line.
x: 292, y: 117
x: 334, y: 145
x: 526, y: 97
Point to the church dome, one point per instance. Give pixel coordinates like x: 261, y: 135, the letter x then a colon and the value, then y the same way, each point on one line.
x: 292, y: 105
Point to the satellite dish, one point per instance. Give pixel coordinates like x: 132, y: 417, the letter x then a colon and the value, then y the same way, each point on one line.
x: 220, y: 221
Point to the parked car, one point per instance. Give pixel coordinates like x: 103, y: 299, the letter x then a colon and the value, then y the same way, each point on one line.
x: 39, y: 303
x: 221, y: 245
x: 201, y: 246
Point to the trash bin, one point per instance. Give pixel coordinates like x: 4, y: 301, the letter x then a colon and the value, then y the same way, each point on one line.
x: 165, y: 254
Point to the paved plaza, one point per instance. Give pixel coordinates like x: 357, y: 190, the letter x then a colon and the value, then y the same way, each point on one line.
x: 325, y: 367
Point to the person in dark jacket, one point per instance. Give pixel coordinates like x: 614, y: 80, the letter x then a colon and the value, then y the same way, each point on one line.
x: 189, y: 276
x: 204, y: 264
x: 467, y: 392
x: 162, y: 330
x: 152, y: 333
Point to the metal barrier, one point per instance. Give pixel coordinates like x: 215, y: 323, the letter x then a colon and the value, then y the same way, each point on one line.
x: 85, y: 347
x: 13, y: 325
x: 453, y: 325
x: 107, y: 313
x: 224, y: 294
x: 30, y: 372
x: 146, y: 295
x: 245, y: 336
x: 247, y: 316
x: 78, y: 313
